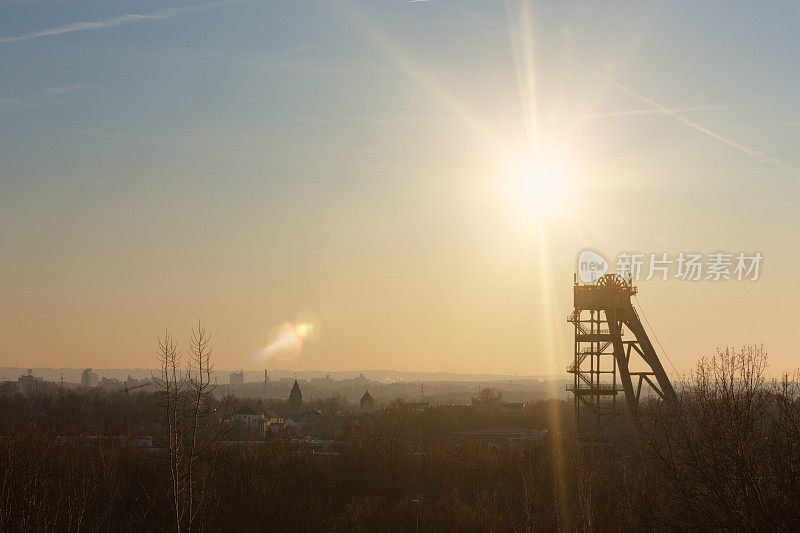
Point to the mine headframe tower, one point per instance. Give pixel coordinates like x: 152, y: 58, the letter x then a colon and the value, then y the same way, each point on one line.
x: 613, y: 354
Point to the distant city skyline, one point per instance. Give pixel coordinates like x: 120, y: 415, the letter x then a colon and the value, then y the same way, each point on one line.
x: 74, y: 375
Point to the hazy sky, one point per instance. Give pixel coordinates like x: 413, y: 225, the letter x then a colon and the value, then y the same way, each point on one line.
x: 246, y: 162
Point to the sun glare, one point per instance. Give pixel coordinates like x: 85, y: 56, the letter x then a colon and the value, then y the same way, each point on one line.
x: 537, y: 185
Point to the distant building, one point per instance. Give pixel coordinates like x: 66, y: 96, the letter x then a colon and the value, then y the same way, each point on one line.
x: 310, y: 422
x: 246, y: 416
x: 512, y: 407
x: 28, y: 384
x: 89, y: 378
x: 499, y: 439
x: 110, y: 383
x: 273, y: 422
x: 419, y: 407
x: 360, y: 380
x: 367, y: 403
x: 237, y: 378
x: 295, y: 396
x: 272, y: 419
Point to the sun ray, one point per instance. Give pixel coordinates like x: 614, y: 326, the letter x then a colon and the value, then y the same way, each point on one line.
x: 522, y: 49
x: 539, y: 184
x: 421, y: 75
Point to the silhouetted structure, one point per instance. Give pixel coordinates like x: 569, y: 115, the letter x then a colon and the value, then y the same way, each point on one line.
x: 603, y: 315
x: 367, y: 403
x: 89, y: 378
x: 237, y: 378
x: 295, y: 396
x: 28, y: 384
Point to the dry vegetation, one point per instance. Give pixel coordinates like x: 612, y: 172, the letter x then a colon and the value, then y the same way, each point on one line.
x: 728, y: 461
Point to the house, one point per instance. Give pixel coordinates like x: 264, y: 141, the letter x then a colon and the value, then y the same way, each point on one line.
x: 273, y: 422
x: 246, y: 416
x: 309, y: 422
x: 271, y: 416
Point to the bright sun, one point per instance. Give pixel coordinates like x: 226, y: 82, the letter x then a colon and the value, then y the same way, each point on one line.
x: 537, y: 185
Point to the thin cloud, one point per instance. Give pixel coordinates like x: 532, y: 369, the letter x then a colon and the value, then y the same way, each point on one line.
x: 639, y: 112
x: 317, y: 120
x: 56, y: 91
x: 115, y: 21
x: 40, y: 98
x: 52, y: 91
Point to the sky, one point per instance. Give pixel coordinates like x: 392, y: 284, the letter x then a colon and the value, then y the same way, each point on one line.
x: 413, y: 180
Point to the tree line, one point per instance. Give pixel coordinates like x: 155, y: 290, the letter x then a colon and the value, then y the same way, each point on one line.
x: 727, y: 460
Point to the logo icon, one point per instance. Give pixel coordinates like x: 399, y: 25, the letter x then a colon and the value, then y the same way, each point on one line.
x: 591, y: 266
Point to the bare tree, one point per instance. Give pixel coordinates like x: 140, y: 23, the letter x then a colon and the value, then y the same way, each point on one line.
x: 171, y: 386
x: 206, y: 428
x: 192, y: 428
x: 728, y: 459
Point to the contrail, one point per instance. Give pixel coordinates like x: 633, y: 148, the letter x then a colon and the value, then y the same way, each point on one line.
x: 116, y: 21
x: 761, y: 156
x: 640, y: 112
x: 404, y: 275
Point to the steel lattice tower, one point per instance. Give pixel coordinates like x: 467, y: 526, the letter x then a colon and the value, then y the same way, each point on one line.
x: 612, y: 351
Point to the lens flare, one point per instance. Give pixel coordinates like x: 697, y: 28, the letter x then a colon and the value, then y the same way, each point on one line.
x: 303, y: 329
x: 286, y: 340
